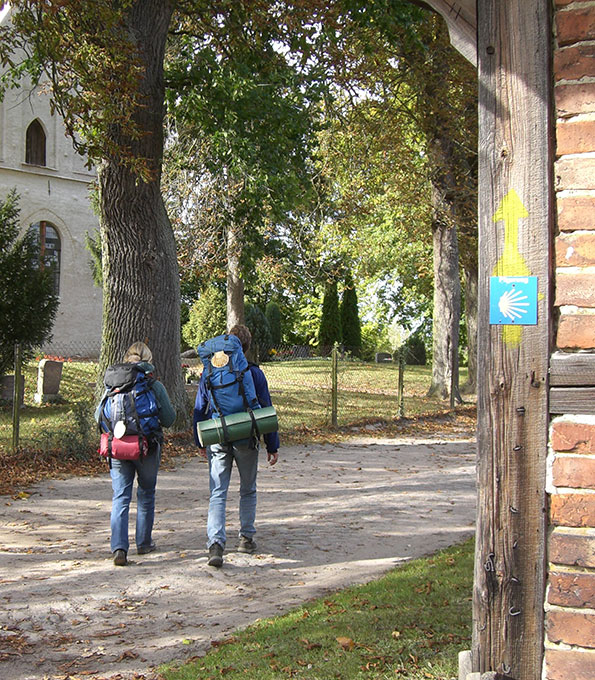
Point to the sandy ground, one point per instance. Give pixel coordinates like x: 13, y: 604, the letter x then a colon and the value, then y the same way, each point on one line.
x: 328, y: 516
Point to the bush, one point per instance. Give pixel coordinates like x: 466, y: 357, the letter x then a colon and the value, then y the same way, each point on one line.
x: 415, y: 350
x: 261, y: 332
x: 28, y: 303
x: 207, y: 317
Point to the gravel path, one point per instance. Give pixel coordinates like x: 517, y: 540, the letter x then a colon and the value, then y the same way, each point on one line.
x: 328, y: 516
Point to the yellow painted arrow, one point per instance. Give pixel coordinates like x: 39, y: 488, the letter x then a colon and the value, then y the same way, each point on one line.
x: 511, y: 262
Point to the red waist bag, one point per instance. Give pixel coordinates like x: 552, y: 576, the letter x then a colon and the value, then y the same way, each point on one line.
x: 129, y: 447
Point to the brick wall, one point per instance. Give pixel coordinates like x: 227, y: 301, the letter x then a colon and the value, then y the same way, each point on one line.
x: 570, y: 601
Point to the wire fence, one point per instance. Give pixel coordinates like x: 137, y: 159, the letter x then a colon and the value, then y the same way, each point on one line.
x: 56, y: 398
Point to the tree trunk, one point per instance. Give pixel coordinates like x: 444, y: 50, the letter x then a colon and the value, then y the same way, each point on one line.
x: 235, y: 282
x: 141, y: 299
x: 471, y: 274
x: 447, y: 304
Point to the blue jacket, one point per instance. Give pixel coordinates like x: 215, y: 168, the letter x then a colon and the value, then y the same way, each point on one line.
x: 203, y: 411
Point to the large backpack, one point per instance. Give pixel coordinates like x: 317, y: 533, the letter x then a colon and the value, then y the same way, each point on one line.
x: 129, y: 415
x: 227, y: 377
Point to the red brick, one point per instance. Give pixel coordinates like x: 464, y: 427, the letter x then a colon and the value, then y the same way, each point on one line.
x: 576, y: 331
x: 572, y: 628
x: 575, y: 137
x: 571, y: 549
x: 575, y: 25
x: 573, y: 437
x: 575, y: 250
x: 576, y: 212
x: 573, y: 99
x: 575, y: 173
x: 572, y: 589
x: 574, y: 63
x: 576, y: 288
x: 567, y: 664
x: 575, y: 473
x: 572, y: 510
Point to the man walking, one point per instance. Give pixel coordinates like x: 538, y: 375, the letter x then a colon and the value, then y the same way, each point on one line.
x: 221, y: 457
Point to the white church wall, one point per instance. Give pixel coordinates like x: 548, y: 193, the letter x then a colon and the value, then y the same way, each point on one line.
x: 58, y: 193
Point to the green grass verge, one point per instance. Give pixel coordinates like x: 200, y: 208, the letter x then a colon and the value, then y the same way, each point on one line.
x: 411, y: 624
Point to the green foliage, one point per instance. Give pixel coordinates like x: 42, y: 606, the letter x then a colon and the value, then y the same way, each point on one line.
x: 28, y: 303
x: 330, y: 322
x: 206, y: 318
x: 414, y: 350
x: 261, y: 333
x: 93, y: 245
x: 273, y: 315
x: 350, y: 323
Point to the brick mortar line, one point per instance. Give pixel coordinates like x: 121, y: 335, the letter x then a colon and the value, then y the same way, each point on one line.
x: 575, y: 610
x: 569, y: 569
x: 569, y: 491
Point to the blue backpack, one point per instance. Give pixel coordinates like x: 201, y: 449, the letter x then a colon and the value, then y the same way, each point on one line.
x: 228, y: 379
x: 129, y: 399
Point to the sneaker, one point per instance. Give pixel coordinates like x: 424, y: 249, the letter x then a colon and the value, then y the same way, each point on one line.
x: 247, y: 545
x: 144, y: 549
x: 215, y: 555
x: 120, y: 558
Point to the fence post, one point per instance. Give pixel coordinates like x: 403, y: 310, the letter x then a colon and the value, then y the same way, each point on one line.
x: 16, y: 397
x: 334, y: 383
x: 400, y: 390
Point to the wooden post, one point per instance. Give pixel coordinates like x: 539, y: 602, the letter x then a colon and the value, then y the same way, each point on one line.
x: 16, y: 397
x: 400, y: 389
x: 334, y: 384
x: 515, y: 223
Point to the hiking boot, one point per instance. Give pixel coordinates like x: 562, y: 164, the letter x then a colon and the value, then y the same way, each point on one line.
x: 120, y: 558
x: 144, y: 549
x: 247, y: 545
x: 215, y: 555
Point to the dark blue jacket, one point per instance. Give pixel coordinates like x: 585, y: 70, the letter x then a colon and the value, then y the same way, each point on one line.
x: 203, y: 411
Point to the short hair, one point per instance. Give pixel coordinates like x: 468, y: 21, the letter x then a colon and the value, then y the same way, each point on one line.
x: 243, y: 333
x: 138, y: 351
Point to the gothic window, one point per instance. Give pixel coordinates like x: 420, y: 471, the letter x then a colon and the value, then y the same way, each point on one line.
x: 35, y: 144
x: 48, y: 241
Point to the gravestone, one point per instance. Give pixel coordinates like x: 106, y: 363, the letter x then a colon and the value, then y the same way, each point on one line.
x: 7, y: 388
x: 49, y: 375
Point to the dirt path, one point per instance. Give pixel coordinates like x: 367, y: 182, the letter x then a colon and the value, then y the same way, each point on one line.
x: 328, y: 516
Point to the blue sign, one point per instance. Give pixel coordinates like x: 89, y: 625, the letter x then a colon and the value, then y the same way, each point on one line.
x: 513, y: 300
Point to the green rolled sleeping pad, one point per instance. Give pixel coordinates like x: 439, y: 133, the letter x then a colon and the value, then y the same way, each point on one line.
x: 239, y: 426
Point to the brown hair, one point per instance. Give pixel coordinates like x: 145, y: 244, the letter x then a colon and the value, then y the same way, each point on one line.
x: 244, y: 335
x: 138, y: 351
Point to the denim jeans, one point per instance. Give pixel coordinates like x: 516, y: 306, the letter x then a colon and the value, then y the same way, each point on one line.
x: 221, y: 457
x: 122, y: 473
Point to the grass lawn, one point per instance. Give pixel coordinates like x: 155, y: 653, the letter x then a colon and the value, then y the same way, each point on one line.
x: 410, y: 624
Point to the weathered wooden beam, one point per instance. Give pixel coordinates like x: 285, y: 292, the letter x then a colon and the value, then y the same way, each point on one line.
x: 572, y: 370
x: 515, y: 226
x: 579, y: 400
x: 461, y: 19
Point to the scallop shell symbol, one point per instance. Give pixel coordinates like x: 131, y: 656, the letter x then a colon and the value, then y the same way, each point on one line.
x: 512, y: 304
x: 220, y: 359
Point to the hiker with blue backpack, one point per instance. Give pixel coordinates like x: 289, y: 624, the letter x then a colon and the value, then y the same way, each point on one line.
x: 231, y: 398
x: 134, y: 408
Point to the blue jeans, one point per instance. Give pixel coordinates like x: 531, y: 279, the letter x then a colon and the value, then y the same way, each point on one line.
x: 122, y: 473
x: 221, y: 457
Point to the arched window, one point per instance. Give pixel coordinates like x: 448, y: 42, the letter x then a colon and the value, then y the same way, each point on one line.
x: 48, y: 240
x: 35, y: 144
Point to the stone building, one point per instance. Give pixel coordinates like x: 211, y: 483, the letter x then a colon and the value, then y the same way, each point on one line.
x: 39, y: 161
